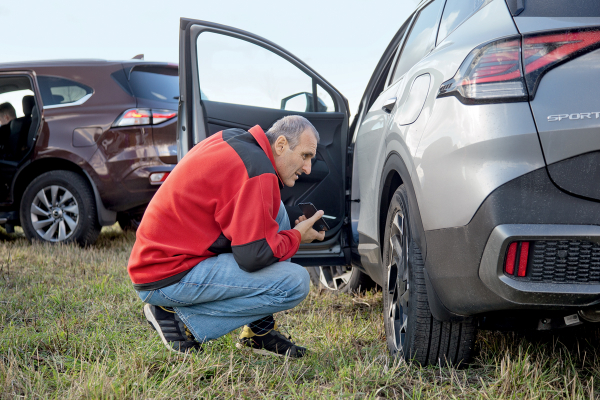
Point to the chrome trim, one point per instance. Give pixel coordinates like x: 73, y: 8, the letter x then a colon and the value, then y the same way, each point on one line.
x: 75, y: 103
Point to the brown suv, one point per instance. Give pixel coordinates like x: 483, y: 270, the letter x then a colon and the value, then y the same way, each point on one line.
x: 88, y: 143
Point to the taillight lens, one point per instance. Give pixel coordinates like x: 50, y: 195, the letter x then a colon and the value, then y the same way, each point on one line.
x: 542, y: 52
x: 157, y: 178
x: 491, y: 73
x: 144, y: 116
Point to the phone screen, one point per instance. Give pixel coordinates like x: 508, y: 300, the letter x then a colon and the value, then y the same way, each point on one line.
x: 309, y: 209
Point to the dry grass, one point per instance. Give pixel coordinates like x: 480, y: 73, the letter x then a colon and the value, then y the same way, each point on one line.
x: 71, y: 327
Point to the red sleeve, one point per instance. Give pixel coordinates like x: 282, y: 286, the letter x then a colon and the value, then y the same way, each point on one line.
x: 250, y: 223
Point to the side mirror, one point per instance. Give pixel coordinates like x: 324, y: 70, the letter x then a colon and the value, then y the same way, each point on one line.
x: 302, y: 102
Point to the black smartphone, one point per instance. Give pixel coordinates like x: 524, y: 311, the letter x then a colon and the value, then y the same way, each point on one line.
x: 309, y: 209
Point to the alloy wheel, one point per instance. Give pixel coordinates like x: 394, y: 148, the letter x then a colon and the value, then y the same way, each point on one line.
x: 334, y: 278
x: 54, y: 213
x: 398, y: 285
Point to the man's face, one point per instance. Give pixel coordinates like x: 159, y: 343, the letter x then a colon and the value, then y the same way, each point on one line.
x: 292, y: 163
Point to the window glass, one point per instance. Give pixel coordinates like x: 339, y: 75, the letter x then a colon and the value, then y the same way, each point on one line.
x: 419, y: 40
x: 16, y: 100
x: 455, y: 13
x: 57, y: 91
x: 155, y: 83
x: 239, y: 72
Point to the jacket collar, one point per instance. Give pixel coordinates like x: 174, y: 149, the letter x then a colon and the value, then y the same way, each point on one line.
x: 259, y: 135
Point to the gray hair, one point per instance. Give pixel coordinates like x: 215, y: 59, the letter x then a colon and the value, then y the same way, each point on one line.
x: 291, y: 127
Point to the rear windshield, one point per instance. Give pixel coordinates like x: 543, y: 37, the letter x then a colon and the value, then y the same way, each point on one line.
x: 155, y: 83
x: 558, y: 8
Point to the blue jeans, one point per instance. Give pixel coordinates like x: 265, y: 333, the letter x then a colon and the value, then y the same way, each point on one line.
x: 216, y: 296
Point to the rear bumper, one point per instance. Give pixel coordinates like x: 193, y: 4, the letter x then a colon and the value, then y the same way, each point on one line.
x: 464, y: 264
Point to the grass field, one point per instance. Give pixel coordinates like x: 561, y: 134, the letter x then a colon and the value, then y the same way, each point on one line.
x: 71, y: 327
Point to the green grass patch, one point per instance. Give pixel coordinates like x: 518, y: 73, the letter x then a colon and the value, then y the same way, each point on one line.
x: 71, y: 327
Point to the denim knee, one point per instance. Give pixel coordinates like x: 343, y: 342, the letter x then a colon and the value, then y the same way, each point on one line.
x: 298, y: 282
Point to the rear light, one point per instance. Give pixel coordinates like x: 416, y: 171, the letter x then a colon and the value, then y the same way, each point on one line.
x: 511, y: 256
x: 516, y: 251
x: 144, y: 116
x: 542, y: 52
x: 159, y: 116
x: 157, y: 178
x: 491, y: 73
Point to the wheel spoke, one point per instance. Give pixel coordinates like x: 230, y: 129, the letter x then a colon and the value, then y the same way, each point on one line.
x: 67, y: 196
x: 42, y: 197
x: 62, y: 231
x: 74, y: 209
x: 40, y: 224
x: 50, y: 232
x: 53, y: 194
x: 72, y: 224
x: 38, y: 211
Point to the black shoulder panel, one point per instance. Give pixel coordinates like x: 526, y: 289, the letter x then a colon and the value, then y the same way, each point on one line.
x: 254, y: 255
x: 248, y: 149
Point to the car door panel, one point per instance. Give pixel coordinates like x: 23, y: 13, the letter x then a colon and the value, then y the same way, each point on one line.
x: 206, y: 113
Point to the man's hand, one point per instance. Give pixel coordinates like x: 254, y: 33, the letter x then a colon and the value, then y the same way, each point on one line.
x: 305, y: 227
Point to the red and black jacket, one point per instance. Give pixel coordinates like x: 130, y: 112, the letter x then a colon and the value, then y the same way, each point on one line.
x: 222, y: 197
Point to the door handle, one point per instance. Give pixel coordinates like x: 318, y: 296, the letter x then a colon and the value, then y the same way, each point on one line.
x: 388, y: 106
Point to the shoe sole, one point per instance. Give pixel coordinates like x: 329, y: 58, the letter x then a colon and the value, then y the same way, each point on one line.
x: 154, y: 323
x: 259, y: 351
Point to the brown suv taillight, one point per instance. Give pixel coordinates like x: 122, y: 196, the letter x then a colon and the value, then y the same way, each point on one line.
x: 517, y: 256
x: 143, y: 116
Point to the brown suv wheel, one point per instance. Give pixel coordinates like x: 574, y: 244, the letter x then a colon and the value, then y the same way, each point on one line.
x: 59, y: 206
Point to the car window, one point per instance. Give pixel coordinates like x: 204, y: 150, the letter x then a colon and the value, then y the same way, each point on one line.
x: 239, y: 72
x: 419, y: 40
x: 155, y: 83
x: 15, y: 99
x: 455, y: 13
x: 60, y: 91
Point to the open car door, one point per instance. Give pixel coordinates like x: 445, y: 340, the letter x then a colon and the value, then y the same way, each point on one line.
x: 230, y: 78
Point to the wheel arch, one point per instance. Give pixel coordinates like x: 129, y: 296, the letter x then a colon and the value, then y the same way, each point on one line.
x: 395, y: 174
x: 35, y: 168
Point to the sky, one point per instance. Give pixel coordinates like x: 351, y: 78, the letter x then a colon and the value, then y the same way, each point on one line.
x: 341, y: 40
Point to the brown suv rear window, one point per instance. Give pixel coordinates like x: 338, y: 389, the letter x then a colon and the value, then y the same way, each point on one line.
x: 155, y: 83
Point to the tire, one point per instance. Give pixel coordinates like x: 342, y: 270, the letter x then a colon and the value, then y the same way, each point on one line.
x: 129, y: 221
x: 59, y: 206
x: 411, y: 330
x: 340, y: 279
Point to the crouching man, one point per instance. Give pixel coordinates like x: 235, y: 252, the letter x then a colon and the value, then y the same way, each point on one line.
x: 210, y: 253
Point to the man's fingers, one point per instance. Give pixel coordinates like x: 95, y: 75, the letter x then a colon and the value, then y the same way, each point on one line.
x: 321, y: 235
x: 317, y: 215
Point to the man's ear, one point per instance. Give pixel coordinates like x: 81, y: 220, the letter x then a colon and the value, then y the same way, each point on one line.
x: 280, y: 145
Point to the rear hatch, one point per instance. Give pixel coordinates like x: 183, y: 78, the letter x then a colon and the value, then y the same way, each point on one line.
x: 561, y: 61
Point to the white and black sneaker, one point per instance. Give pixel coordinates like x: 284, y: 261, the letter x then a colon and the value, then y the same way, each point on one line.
x: 171, y: 329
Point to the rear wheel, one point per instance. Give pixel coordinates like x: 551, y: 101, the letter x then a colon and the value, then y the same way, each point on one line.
x: 341, y: 279
x: 411, y: 330
x: 59, y: 206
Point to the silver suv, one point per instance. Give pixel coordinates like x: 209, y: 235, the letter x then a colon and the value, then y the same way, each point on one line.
x: 467, y: 185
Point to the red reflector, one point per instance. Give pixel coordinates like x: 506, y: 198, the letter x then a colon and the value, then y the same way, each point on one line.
x: 509, y: 268
x: 158, y: 177
x: 523, y: 259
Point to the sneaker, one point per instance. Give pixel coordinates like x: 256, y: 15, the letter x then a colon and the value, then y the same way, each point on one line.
x: 172, y: 331
x: 272, y: 342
